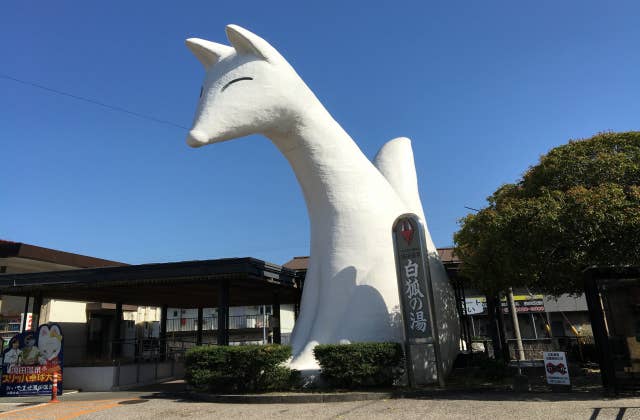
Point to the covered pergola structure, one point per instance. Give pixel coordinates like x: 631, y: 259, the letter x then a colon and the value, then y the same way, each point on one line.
x: 220, y: 283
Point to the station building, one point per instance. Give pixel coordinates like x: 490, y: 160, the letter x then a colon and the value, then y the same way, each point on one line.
x: 142, y: 316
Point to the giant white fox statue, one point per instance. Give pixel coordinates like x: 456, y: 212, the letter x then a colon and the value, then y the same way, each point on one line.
x: 350, y: 292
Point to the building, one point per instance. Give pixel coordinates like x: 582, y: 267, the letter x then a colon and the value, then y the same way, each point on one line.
x: 16, y: 257
x: 546, y: 322
x: 92, y: 323
x: 143, y: 316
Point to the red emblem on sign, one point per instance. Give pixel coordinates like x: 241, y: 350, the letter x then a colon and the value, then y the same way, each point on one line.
x: 559, y: 368
x: 406, y: 230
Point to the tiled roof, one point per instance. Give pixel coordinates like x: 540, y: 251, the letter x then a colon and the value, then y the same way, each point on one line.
x: 10, y: 249
x: 448, y: 256
x: 297, y: 263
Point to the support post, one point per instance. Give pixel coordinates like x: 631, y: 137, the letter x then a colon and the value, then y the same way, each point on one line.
x: 37, y: 307
x: 199, y: 332
x: 494, y: 328
x: 223, y: 313
x: 117, y: 325
x: 600, y: 335
x: 163, y: 331
x: 504, y: 344
x: 25, y: 313
x: 468, y: 319
x: 296, y: 311
x: 296, y: 305
x: 461, y: 306
x: 516, y: 324
x: 277, y: 335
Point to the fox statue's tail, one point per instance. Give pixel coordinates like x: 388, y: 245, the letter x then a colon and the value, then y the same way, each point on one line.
x: 395, y: 162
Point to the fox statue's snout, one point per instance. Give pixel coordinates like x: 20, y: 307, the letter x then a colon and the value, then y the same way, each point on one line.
x: 197, y: 138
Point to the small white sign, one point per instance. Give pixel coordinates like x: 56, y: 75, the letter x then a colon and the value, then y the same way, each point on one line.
x: 475, y: 306
x: 556, y: 368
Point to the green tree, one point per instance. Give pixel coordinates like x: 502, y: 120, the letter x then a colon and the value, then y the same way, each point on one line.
x: 579, y: 206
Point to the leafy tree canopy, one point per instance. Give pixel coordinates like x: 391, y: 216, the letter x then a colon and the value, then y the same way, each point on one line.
x: 579, y: 206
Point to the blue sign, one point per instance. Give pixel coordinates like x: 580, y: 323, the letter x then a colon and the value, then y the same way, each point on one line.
x: 30, y: 361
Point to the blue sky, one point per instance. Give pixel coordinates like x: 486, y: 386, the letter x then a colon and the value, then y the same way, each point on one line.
x: 482, y: 88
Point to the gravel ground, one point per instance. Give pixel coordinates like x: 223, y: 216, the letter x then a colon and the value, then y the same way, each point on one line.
x: 477, y: 406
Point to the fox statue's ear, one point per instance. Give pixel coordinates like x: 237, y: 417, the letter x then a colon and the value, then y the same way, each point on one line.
x: 206, y: 51
x: 246, y: 42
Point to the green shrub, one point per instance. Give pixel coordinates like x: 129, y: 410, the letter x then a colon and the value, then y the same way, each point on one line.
x: 239, y: 368
x: 360, y: 364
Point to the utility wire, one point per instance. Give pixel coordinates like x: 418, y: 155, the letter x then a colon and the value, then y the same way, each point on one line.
x: 94, y: 102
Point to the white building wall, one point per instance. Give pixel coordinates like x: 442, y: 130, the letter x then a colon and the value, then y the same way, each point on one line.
x: 287, y: 320
x: 63, y: 311
x: 566, y: 303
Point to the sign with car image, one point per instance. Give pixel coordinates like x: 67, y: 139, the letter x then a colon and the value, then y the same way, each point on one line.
x: 556, y: 368
x: 30, y: 361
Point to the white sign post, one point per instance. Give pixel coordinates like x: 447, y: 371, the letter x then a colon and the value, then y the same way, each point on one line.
x: 556, y: 368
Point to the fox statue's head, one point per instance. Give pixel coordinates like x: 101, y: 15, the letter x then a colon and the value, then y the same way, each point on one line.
x: 248, y: 88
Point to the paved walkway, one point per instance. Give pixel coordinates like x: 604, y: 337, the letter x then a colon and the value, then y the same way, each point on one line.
x: 465, y: 407
x: 165, y: 402
x: 61, y: 411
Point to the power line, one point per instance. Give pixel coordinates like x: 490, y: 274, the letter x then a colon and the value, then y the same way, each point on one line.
x: 93, y: 101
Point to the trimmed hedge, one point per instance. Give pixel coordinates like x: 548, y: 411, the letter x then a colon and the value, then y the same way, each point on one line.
x: 239, y: 368
x: 360, y: 364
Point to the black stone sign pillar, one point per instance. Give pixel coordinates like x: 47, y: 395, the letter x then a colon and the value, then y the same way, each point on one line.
x: 416, y: 301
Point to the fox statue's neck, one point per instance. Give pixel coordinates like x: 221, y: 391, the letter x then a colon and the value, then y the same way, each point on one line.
x: 331, y: 169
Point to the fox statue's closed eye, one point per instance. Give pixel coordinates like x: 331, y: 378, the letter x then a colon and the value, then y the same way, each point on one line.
x: 350, y: 292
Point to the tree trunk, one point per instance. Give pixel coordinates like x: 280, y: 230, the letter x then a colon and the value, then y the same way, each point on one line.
x: 504, y: 345
x: 496, y: 342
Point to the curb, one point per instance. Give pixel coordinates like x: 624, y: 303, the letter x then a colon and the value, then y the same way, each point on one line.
x: 302, y: 398
x: 291, y: 398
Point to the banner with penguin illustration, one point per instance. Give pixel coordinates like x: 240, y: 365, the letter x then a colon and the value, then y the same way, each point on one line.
x: 30, y: 361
